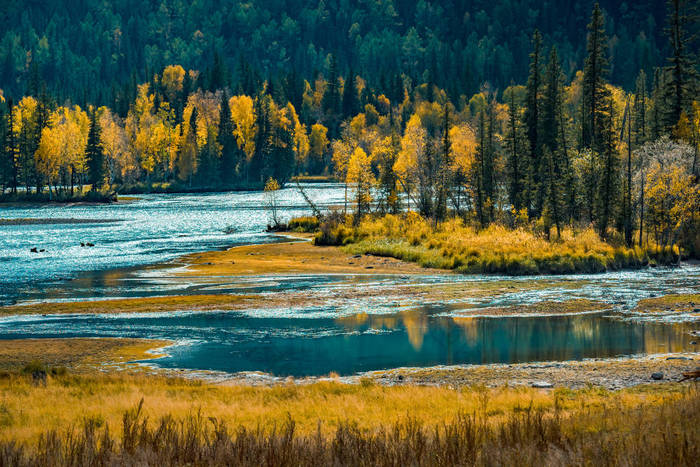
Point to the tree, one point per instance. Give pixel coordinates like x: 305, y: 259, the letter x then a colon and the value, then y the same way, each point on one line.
x: 94, y: 154
x: 318, y: 147
x: 517, y: 165
x: 359, y: 175
x: 681, y: 85
x: 595, y: 93
x: 11, y: 148
x: 350, y: 96
x: 608, y: 188
x: 532, y: 126
x: 271, y: 189
x: 639, y: 110
x: 230, y: 154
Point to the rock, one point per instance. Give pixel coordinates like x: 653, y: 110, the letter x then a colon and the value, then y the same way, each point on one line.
x: 693, y: 342
x: 696, y: 310
x: 541, y: 384
x: 657, y: 376
x: 400, y: 377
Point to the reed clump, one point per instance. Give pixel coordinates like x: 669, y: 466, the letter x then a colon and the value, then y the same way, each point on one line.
x: 497, y: 249
x: 661, y: 434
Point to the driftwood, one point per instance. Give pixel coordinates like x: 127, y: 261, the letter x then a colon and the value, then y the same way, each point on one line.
x: 694, y: 375
x: 312, y: 205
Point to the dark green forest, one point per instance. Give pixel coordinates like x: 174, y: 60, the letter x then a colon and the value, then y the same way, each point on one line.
x: 94, y: 51
x: 489, y: 119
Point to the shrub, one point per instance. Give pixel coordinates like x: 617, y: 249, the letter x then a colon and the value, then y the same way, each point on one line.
x: 308, y: 224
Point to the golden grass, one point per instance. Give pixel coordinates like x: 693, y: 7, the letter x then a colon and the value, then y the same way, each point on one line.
x: 497, y: 249
x: 27, y: 410
x: 679, y: 303
x: 134, y: 305
x: 84, y: 354
x: 291, y: 258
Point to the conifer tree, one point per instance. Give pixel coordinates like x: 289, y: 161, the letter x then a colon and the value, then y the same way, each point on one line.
x: 11, y: 149
x: 639, y: 110
x: 609, y: 185
x: 532, y: 125
x: 227, y: 141
x: 94, y: 154
x: 595, y: 93
x: 515, y: 160
x: 681, y: 84
x: 350, y: 98
x: 657, y: 106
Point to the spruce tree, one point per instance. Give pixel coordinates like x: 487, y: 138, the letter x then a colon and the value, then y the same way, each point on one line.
x: 657, y: 106
x: 609, y: 185
x: 227, y: 142
x: 351, y: 103
x: 11, y: 149
x: 640, y: 124
x: 94, y: 154
x: 532, y: 125
x: 681, y: 84
x: 550, y: 193
x: 595, y: 70
x: 515, y: 161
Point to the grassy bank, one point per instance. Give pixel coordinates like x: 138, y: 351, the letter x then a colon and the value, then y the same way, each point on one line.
x: 133, y: 305
x: 455, y: 246
x: 331, y: 423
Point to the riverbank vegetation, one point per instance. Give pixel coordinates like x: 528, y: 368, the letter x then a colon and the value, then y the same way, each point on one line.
x: 160, y: 420
x: 569, y: 146
x: 461, y: 247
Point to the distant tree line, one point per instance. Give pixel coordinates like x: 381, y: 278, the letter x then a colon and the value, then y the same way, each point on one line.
x: 553, y: 152
x: 92, y: 51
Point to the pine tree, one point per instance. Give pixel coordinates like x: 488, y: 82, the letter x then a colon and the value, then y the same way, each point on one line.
x: 331, y: 97
x: 227, y: 142
x: 639, y: 110
x: 595, y: 70
x: 350, y: 98
x: 608, y: 188
x: 515, y: 161
x: 532, y: 126
x: 11, y: 149
x: 443, y: 168
x: 681, y: 85
x: 657, y: 104
x: 478, y: 172
x: 94, y: 154
x: 553, y: 174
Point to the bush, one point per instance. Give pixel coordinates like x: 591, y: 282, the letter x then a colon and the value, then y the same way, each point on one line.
x: 305, y: 224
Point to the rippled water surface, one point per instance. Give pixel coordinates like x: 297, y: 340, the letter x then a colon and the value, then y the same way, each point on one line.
x: 153, y: 228
x: 319, y: 323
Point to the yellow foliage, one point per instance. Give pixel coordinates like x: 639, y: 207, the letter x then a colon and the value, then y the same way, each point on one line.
x: 243, y: 116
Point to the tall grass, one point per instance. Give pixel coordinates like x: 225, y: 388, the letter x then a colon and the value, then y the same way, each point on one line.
x: 663, y: 434
x: 496, y: 249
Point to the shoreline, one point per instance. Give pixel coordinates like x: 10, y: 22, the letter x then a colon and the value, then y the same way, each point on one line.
x: 136, y: 356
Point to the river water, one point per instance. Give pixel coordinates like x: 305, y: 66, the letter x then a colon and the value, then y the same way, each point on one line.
x: 378, y: 329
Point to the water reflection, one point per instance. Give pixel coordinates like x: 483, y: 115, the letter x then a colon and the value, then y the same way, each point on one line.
x: 235, y: 341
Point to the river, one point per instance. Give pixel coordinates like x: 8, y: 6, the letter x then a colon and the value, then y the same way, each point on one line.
x: 378, y: 329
